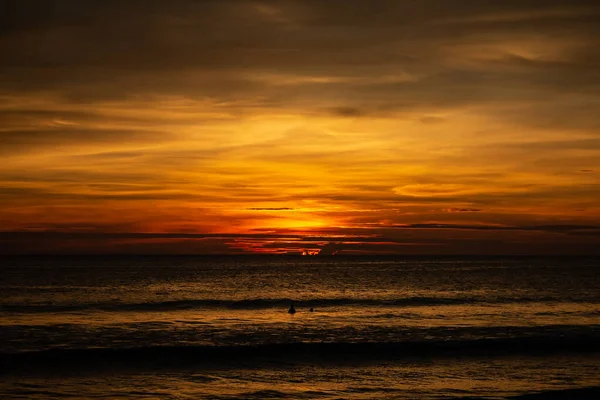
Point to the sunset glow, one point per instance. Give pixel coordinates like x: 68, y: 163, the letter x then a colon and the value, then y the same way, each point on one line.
x: 420, y: 130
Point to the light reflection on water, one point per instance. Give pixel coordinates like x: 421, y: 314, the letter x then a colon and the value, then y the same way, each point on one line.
x: 426, y: 379
x: 123, y: 303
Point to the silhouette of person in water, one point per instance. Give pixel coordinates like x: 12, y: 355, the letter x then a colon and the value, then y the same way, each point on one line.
x: 292, y: 310
x: 311, y: 309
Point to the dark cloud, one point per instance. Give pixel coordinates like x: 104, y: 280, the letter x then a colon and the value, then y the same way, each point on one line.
x: 590, y: 233
x: 347, y: 111
x: 75, y: 231
x: 431, y: 119
x: 82, y: 47
x: 82, y: 239
x: 481, y: 227
x: 574, y: 144
x: 28, y: 140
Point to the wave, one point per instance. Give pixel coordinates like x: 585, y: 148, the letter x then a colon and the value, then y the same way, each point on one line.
x: 327, y: 352
x: 584, y: 393
x: 592, y: 392
x: 251, y: 304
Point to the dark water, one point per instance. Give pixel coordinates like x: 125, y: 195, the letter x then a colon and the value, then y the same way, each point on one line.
x: 218, y: 327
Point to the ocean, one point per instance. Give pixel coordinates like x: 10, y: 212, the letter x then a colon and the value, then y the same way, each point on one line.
x: 218, y: 327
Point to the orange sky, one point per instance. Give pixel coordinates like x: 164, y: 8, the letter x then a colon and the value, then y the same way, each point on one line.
x: 429, y: 127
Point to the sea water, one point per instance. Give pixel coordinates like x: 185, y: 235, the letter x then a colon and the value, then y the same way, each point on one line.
x: 218, y: 327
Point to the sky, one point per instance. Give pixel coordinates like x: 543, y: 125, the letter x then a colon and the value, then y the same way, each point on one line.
x: 339, y: 127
